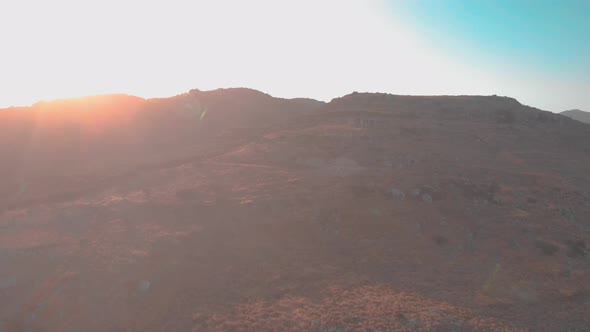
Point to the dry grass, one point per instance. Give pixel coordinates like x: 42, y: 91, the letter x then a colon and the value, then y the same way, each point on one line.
x: 366, y: 308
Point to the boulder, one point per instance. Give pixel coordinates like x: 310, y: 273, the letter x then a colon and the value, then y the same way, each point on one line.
x: 398, y: 194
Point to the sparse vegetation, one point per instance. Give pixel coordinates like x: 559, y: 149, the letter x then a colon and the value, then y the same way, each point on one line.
x: 305, y: 220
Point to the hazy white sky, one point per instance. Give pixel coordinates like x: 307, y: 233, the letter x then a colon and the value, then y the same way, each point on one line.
x: 305, y: 48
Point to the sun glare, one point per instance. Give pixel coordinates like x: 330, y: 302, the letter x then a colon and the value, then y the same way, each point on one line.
x: 304, y: 48
x: 317, y: 49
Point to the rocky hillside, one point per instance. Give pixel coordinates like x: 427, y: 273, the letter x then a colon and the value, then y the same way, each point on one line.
x: 63, y: 146
x: 577, y: 115
x: 373, y: 212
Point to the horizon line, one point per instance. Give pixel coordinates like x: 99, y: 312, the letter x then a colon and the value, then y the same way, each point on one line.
x: 61, y: 99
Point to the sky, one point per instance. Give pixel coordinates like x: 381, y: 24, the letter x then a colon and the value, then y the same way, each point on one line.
x: 535, y: 51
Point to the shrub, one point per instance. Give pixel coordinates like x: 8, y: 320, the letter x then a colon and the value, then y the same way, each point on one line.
x: 547, y: 248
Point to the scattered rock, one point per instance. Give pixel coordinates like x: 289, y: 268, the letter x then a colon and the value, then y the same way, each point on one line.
x: 437, y: 311
x: 576, y: 249
x: 7, y: 283
x: 426, y: 198
x: 415, y: 323
x: 525, y: 294
x: 514, y: 243
x: 573, y: 293
x: 440, y: 240
x: 376, y: 212
x: 428, y: 188
x: 398, y: 194
x: 144, y: 286
x: 568, y: 214
x: 31, y: 318
x: 401, y: 318
x: 330, y: 328
x: 496, y: 200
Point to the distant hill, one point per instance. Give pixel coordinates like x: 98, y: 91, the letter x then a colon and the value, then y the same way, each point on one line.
x: 578, y: 115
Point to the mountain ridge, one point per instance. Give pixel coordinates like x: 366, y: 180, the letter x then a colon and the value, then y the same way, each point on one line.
x: 243, y: 91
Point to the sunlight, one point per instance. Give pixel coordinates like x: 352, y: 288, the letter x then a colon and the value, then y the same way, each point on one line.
x: 304, y: 48
x: 287, y: 49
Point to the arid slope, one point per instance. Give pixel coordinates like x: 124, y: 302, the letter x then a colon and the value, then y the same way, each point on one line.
x: 373, y: 212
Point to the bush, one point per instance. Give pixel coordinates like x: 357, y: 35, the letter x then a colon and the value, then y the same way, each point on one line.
x: 547, y: 248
